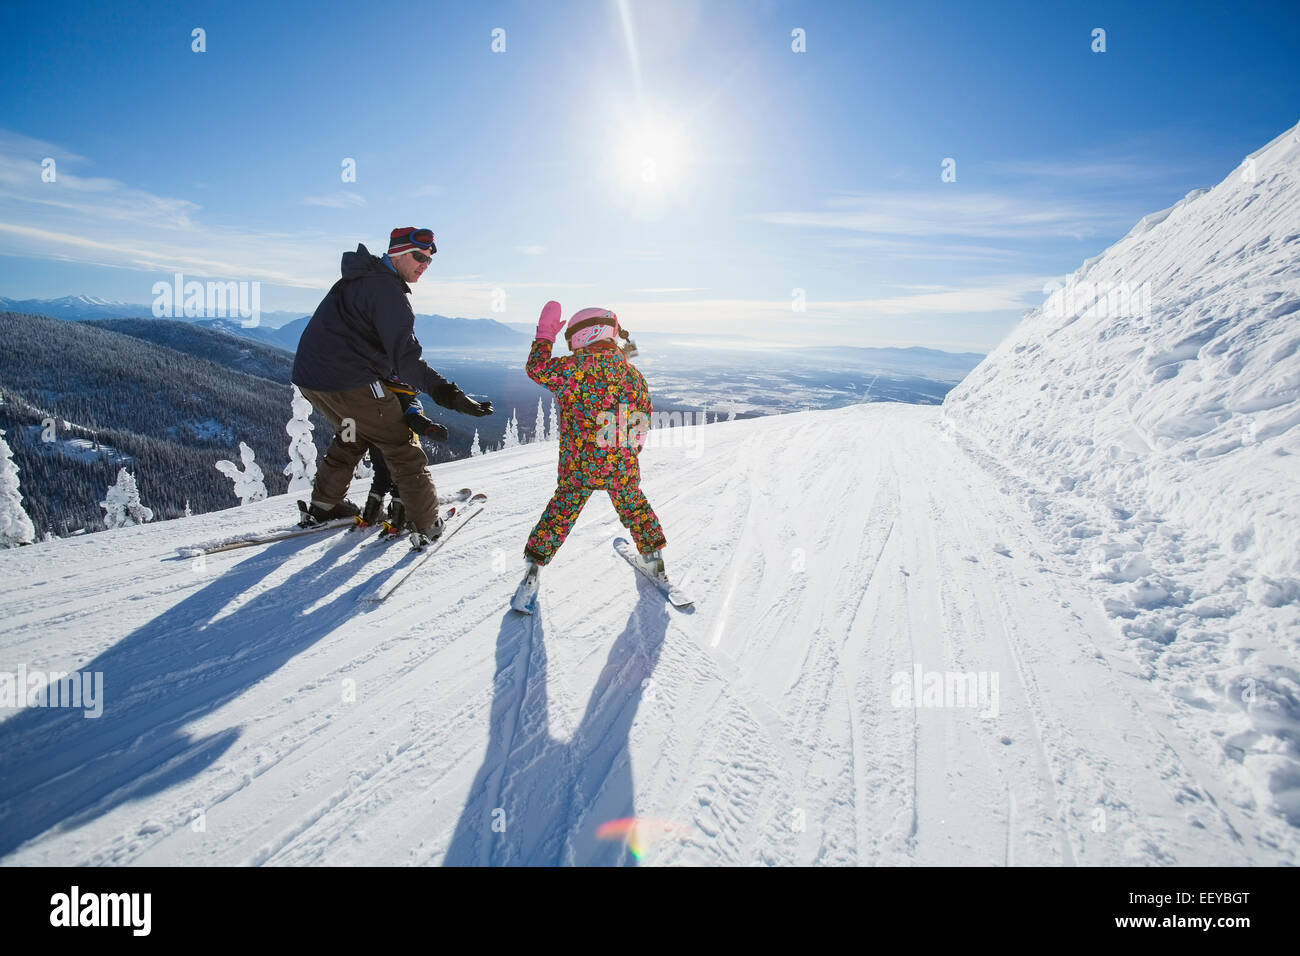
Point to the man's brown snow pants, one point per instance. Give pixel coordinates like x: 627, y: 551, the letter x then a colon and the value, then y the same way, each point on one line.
x: 358, y: 415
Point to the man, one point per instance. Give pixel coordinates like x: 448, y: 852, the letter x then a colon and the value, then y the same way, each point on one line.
x: 362, y: 333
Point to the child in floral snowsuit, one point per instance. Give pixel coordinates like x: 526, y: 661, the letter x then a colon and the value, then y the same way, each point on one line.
x: 604, y: 414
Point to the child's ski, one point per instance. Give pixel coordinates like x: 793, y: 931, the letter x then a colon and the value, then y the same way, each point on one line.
x: 675, y: 595
x: 457, y: 518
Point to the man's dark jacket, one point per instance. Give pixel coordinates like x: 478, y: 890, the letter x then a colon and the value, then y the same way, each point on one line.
x: 364, y: 330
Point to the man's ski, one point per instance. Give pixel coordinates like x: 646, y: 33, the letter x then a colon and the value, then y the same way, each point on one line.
x: 525, y: 599
x: 463, y: 494
x: 675, y: 595
x: 457, y: 518
x: 267, y: 537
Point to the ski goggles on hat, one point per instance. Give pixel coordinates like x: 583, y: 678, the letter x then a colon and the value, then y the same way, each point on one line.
x: 417, y: 237
x: 591, y: 335
x: 589, y: 318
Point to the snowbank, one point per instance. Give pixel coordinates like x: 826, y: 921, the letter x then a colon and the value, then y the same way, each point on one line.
x: 1149, y: 411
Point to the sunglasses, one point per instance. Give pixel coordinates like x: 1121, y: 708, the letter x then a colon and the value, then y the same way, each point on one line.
x: 420, y: 257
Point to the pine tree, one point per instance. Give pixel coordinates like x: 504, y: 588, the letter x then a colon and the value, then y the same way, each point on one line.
x: 511, y: 439
x: 122, y: 507
x: 553, y: 432
x: 474, y: 449
x: 15, y: 526
x: 301, y: 469
x: 249, y: 483
x: 539, y: 425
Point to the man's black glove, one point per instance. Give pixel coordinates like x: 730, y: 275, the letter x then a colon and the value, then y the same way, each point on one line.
x: 450, y: 396
x: 424, y: 426
x: 467, y: 406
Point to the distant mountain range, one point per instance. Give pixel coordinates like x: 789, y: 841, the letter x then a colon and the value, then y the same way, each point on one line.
x: 82, y: 307
x: 280, y: 329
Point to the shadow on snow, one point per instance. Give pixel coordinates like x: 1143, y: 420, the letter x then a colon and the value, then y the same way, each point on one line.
x: 61, y: 769
x: 537, y: 800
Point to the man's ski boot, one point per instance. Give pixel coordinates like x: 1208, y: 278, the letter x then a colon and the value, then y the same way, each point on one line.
x: 422, y: 537
x: 374, y: 505
x: 395, y: 521
x: 316, y: 513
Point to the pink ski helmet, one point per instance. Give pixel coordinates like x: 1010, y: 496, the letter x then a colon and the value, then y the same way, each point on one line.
x: 590, y: 326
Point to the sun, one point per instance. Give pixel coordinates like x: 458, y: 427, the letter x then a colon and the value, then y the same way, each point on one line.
x: 654, y: 156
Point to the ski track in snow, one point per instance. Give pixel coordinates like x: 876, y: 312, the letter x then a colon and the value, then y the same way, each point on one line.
x: 257, y: 713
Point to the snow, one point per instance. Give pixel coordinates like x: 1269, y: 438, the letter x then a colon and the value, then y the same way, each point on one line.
x: 249, y: 484
x: 301, y: 470
x: 81, y: 449
x: 121, y: 504
x: 1156, y: 441
x: 209, y: 429
x: 15, y: 526
x: 255, y: 713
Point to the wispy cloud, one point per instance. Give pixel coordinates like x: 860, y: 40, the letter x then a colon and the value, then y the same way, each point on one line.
x: 532, y: 250
x: 929, y: 249
x: 990, y: 294
x: 828, y: 319
x: 667, y: 291
x: 338, y: 200
x: 950, y: 211
x: 22, y: 179
x: 1114, y: 165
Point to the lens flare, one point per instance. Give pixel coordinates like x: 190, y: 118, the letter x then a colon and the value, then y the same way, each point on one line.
x: 637, y: 832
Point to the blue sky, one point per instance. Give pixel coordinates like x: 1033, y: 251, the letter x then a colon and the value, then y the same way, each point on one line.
x: 675, y: 161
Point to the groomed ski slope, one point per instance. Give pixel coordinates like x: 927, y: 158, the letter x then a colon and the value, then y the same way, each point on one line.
x: 257, y: 714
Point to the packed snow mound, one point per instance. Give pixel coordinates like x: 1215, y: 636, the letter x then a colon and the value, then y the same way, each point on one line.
x: 1164, y: 377
x: 1149, y: 413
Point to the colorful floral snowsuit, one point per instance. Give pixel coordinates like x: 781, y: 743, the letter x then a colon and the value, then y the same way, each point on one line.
x: 604, y: 414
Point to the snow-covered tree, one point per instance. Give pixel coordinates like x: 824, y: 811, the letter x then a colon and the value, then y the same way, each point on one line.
x: 474, y: 449
x: 731, y: 414
x: 15, y: 527
x: 511, y: 439
x: 301, y: 469
x: 188, y: 512
x: 249, y: 483
x: 539, y: 425
x: 121, y: 505
x: 553, y: 430
x: 365, y: 469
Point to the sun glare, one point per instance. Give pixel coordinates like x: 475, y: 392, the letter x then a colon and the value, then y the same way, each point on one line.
x: 654, y: 156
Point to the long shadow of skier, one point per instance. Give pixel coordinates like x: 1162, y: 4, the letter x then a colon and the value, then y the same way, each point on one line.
x: 537, y: 801
x: 61, y: 768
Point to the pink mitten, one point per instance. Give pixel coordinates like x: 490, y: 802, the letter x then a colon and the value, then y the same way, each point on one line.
x: 550, y: 322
